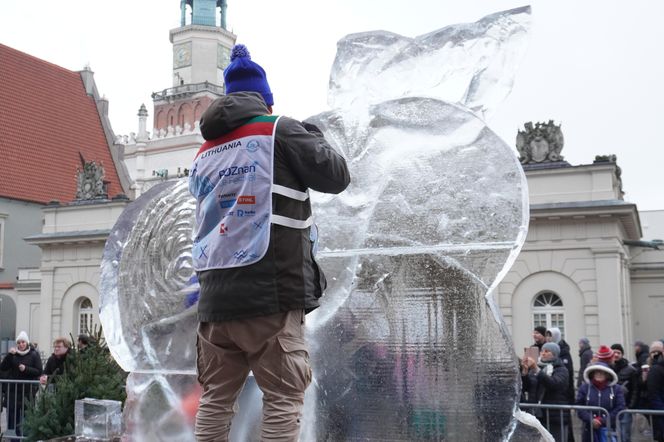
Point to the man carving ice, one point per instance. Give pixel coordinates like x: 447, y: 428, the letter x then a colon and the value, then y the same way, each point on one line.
x: 253, y: 251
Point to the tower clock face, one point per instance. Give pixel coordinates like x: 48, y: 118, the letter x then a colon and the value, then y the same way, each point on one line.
x: 182, y: 55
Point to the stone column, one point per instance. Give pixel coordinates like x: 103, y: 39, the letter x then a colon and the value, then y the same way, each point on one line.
x: 46, y: 308
x: 610, y: 295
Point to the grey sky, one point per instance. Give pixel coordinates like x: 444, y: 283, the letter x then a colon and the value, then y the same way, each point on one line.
x: 594, y: 66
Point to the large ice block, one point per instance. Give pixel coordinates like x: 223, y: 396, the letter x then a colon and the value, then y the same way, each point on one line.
x: 408, y: 343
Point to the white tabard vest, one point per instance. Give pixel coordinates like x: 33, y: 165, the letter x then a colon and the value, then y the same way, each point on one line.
x: 232, y: 181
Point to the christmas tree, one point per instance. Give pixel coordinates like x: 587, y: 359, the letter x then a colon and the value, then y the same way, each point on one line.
x: 88, y: 373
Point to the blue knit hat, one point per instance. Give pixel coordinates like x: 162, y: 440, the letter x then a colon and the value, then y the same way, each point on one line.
x: 243, y: 75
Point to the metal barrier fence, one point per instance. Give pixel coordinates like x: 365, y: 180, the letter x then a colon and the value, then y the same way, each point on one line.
x: 624, y: 419
x: 562, y: 417
x: 16, y: 397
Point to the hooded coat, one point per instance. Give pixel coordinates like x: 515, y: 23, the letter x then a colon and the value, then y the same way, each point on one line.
x: 287, y: 277
x: 611, y: 398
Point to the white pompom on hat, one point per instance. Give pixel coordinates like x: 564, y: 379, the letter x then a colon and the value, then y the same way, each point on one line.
x: 600, y: 366
x: 23, y: 336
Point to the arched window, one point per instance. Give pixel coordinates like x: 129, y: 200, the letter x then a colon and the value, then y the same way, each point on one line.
x: 548, y: 311
x: 85, y: 316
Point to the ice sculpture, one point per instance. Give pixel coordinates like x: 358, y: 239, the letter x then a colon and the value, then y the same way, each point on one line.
x: 408, y: 344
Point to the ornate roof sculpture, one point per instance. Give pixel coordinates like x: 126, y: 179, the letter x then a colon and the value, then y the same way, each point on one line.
x: 90, y: 184
x: 541, y: 143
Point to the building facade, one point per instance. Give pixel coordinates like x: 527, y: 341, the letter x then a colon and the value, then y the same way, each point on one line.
x: 584, y: 267
x: 53, y: 126
x: 588, y: 266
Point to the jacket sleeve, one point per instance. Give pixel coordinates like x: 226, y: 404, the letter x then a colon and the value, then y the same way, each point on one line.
x: 34, y: 368
x: 618, y: 404
x: 581, y: 394
x: 654, y: 385
x: 6, y: 363
x: 558, y: 379
x: 311, y: 158
x: 48, y: 370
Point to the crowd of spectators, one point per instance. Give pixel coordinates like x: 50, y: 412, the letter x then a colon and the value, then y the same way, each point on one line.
x: 606, y: 378
x: 23, y: 363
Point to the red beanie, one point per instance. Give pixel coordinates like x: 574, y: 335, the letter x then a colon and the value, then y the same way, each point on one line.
x: 605, y: 354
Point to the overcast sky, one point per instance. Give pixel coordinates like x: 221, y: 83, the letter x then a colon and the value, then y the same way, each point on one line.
x: 596, y: 67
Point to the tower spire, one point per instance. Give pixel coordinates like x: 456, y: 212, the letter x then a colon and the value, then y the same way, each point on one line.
x: 203, y: 12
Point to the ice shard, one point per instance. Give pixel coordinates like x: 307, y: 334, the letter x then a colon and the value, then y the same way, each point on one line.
x: 408, y: 343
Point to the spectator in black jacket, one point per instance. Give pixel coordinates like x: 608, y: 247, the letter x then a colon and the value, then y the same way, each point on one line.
x: 546, y: 383
x: 655, y: 386
x: 585, y: 355
x: 554, y: 335
x: 22, y: 363
x: 642, y: 352
x: 56, y: 362
x: 539, y: 336
x: 628, y: 379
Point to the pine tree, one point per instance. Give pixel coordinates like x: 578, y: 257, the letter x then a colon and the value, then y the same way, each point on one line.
x: 88, y: 373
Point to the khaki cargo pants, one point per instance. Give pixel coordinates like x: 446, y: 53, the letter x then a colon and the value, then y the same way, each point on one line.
x: 273, y: 347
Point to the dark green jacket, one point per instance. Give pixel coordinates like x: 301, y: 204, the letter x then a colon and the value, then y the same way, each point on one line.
x: 287, y: 278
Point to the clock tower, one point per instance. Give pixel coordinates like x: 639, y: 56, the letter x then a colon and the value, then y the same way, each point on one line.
x: 201, y: 51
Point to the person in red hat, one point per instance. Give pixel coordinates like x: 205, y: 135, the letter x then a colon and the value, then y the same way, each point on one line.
x: 605, y: 354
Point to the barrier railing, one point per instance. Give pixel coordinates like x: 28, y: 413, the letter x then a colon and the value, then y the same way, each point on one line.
x: 16, y: 397
x: 624, y: 422
x: 559, y: 429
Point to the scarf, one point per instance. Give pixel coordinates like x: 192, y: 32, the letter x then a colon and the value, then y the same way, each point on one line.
x: 24, y: 352
x: 600, y: 385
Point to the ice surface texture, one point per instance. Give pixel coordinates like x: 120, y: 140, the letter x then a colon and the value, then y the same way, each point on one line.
x: 408, y: 343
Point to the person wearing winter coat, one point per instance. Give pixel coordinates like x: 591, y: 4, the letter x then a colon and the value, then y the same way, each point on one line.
x: 22, y: 363
x: 554, y: 335
x: 642, y: 354
x: 545, y: 382
x: 254, y: 251
x: 600, y: 389
x: 585, y: 355
x: 55, y: 365
x: 655, y: 387
x: 628, y: 379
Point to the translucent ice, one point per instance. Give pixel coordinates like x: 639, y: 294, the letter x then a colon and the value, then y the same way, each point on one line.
x: 408, y: 343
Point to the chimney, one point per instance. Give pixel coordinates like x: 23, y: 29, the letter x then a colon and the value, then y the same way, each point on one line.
x: 88, y: 80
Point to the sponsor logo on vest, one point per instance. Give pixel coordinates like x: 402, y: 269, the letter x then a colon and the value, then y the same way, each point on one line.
x: 225, y: 204
x: 242, y: 213
x: 246, y: 199
x: 221, y: 148
x: 237, y: 170
x: 252, y: 146
x: 223, y: 229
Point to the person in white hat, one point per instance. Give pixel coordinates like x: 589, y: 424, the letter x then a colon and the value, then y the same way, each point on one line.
x: 21, y: 363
